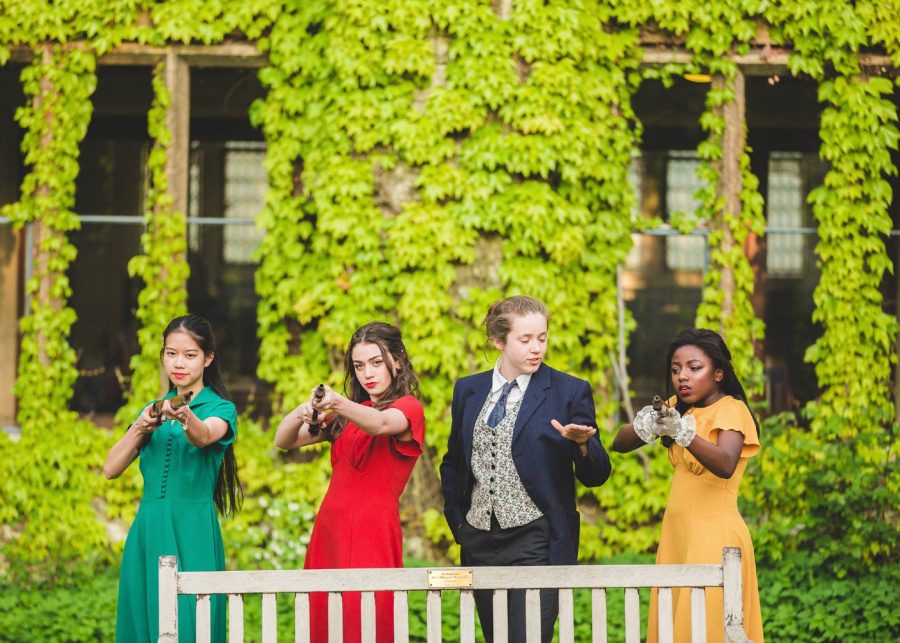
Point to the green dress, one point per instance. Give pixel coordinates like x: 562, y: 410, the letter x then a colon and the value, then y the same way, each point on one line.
x: 176, y: 517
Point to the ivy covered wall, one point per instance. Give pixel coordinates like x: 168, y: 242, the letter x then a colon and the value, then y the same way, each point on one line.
x: 427, y: 157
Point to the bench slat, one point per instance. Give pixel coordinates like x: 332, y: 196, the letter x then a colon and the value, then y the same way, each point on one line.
x: 301, y: 617
x: 168, y: 599
x: 598, y: 615
x: 367, y: 616
x: 235, y: 618
x: 501, y: 617
x: 698, y: 615
x: 466, y: 616
x: 632, y: 615
x: 401, y: 617
x: 566, y: 616
x: 335, y: 618
x: 533, y: 616
x: 664, y: 614
x: 269, y: 619
x: 433, y: 608
x: 203, y: 620
x: 736, y: 634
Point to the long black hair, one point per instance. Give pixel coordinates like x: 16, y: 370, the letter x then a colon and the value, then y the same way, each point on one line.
x: 713, y: 346
x: 229, y: 494
x: 404, y: 382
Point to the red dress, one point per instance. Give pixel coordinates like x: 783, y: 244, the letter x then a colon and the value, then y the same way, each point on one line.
x: 358, y: 524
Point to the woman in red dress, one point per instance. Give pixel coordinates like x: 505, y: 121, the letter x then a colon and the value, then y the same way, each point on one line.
x: 377, y: 433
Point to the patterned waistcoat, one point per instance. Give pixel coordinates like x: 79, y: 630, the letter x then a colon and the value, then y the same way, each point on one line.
x: 498, y: 489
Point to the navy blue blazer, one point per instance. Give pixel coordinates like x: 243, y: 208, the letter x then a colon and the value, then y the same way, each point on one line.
x: 543, y: 458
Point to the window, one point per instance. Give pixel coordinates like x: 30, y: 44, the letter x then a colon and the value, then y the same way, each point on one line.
x: 683, y: 252
x: 784, y: 201
x: 245, y: 193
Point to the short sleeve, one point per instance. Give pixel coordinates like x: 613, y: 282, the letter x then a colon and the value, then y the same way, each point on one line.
x: 225, y: 410
x: 733, y: 415
x: 415, y: 415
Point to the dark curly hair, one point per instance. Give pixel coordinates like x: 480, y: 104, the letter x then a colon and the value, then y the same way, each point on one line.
x: 713, y: 346
x: 388, y: 339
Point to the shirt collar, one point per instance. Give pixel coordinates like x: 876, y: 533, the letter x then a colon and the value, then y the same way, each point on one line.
x: 498, y: 380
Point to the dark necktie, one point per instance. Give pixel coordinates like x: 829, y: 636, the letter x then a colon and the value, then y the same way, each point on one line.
x: 499, y: 411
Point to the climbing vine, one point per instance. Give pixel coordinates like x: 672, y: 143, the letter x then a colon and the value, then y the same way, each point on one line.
x: 162, y: 266
x: 40, y: 484
x: 478, y: 156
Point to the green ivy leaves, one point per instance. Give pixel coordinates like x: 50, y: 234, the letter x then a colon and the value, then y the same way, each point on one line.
x: 163, y: 265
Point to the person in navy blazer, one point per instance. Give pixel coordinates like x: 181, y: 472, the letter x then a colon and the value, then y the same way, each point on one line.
x: 520, y: 435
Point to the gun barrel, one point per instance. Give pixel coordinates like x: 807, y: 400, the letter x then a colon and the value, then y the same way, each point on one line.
x: 175, y: 402
x: 316, y: 425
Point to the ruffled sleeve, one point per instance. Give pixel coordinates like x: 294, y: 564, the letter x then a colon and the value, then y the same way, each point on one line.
x: 733, y: 415
x: 415, y: 415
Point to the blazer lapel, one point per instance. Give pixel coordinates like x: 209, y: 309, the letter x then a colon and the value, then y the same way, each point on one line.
x: 535, y: 395
x: 481, y: 388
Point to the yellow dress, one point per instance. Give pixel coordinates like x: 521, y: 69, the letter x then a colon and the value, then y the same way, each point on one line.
x: 702, y: 517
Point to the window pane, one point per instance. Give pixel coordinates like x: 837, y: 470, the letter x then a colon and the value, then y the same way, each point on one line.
x: 245, y: 193
x: 683, y: 252
x: 784, y: 201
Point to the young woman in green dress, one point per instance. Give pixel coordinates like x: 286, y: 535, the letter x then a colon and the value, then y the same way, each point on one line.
x: 187, y: 462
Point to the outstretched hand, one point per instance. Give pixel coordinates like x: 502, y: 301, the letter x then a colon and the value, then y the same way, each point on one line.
x: 577, y: 433
x: 328, y: 401
x: 180, y: 414
x: 668, y: 422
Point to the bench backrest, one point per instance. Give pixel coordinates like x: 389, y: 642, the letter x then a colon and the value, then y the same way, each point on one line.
x: 566, y: 578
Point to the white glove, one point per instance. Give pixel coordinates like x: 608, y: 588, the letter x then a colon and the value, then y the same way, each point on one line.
x: 645, y: 424
x: 681, y: 429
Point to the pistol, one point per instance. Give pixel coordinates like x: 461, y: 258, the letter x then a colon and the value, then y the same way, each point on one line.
x: 316, y: 424
x: 661, y: 407
x: 658, y: 405
x: 176, y: 402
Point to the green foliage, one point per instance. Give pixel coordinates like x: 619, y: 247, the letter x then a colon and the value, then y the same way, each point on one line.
x: 853, y: 421
x: 449, y: 157
x: 714, y: 35
x: 280, y: 498
x: 861, y: 607
x: 819, y: 498
x: 163, y: 265
x: 45, y: 496
x: 74, y: 613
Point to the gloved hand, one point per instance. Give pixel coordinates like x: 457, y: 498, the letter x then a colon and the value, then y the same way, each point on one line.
x: 672, y: 424
x: 645, y: 424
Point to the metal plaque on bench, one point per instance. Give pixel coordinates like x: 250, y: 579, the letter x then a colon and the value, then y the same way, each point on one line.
x: 449, y: 578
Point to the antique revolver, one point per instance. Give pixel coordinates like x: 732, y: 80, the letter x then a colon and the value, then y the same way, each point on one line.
x: 662, y: 408
x: 316, y: 424
x: 176, y: 403
x: 659, y: 405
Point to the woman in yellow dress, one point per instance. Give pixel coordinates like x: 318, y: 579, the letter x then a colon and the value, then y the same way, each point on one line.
x: 710, y: 434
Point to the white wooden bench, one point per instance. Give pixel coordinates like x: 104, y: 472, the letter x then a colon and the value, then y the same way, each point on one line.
x: 597, y: 578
